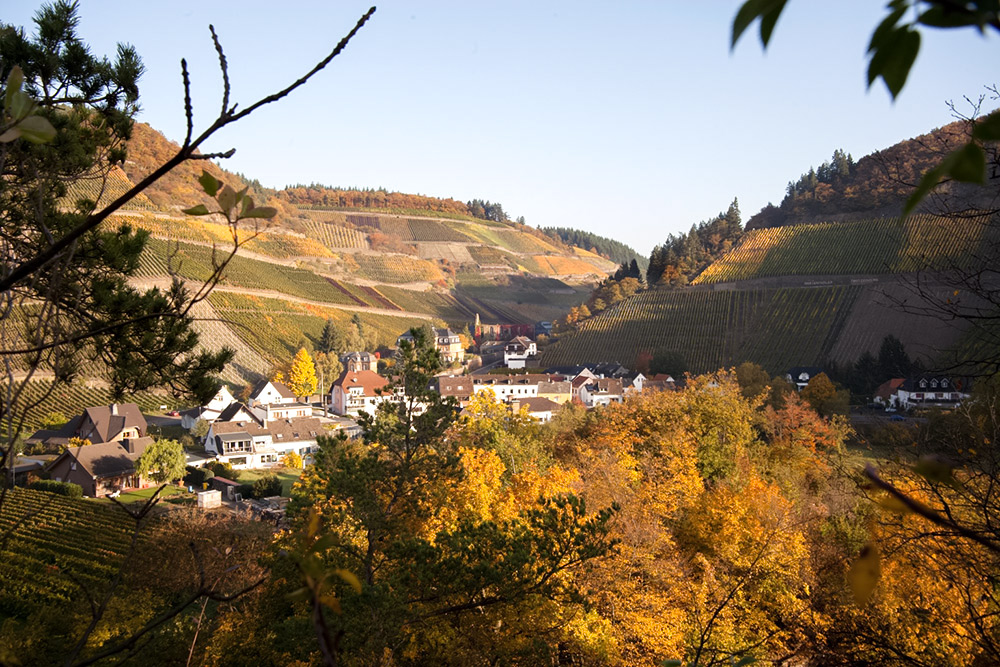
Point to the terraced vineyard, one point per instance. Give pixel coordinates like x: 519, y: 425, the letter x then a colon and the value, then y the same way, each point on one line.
x: 393, y: 269
x: 71, y: 400
x: 105, y: 189
x: 60, y: 536
x: 274, y: 327
x: 335, y: 236
x: 712, y: 329
x: 865, y: 247
x: 432, y: 231
x: 194, y: 263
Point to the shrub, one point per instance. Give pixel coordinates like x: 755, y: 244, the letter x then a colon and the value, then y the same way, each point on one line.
x: 245, y: 491
x: 268, y: 485
x: 197, y: 477
x: 62, y: 488
x: 220, y: 469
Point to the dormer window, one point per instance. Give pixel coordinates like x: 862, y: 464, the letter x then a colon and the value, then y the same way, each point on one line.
x: 923, y: 384
x: 934, y: 384
x: 944, y: 382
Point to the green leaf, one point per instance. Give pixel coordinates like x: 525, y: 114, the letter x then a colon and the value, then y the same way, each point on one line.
x: 200, y: 209
x: 927, y: 183
x: 952, y: 16
x: 893, y: 57
x: 864, y: 574
x: 261, y: 212
x: 20, y: 105
x: 10, y: 135
x: 767, y: 11
x: 988, y: 129
x: 210, y: 184
x: 37, y: 130
x: 14, y: 81
x: 300, y: 595
x: 968, y: 165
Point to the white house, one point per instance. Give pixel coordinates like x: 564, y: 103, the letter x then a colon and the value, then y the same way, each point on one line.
x: 249, y: 444
x: 601, y: 391
x: 266, y: 392
x: 355, y: 392
x: 932, y: 391
x: 518, y: 351
x: 210, y: 411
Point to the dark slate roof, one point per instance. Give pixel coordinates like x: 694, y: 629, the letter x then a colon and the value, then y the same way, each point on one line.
x: 108, y: 425
x: 233, y: 409
x: 107, y: 459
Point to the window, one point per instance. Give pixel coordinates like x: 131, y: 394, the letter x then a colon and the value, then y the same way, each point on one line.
x: 923, y: 384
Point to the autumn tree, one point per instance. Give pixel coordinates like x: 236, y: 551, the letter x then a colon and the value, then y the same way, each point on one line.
x: 429, y: 562
x: 824, y: 397
x: 302, y: 375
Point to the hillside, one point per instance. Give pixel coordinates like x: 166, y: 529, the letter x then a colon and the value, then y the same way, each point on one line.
x: 362, y: 258
x: 877, y: 185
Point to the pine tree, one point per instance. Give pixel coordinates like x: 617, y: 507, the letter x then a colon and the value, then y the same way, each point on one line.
x: 302, y: 376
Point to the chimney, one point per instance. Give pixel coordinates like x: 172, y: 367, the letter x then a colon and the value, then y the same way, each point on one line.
x: 114, y: 409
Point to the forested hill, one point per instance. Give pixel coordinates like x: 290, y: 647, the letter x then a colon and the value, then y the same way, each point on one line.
x: 875, y: 185
x: 614, y: 250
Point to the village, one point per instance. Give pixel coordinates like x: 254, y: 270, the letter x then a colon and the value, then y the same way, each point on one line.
x: 275, y: 429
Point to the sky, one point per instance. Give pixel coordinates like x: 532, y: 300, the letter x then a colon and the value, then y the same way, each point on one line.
x: 632, y: 120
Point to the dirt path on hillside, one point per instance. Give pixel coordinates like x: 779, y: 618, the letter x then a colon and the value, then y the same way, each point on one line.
x: 163, y: 283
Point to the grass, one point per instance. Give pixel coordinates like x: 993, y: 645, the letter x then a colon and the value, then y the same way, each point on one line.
x: 288, y: 476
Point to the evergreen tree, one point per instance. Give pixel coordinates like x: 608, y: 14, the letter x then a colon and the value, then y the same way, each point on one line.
x: 330, y: 340
x: 893, y: 362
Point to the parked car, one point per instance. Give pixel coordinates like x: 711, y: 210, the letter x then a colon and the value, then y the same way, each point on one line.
x: 173, y: 413
x: 897, y: 418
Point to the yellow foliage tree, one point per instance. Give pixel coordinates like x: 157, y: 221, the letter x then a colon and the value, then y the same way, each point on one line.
x: 302, y: 376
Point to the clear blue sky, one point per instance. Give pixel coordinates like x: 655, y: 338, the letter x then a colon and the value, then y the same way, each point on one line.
x: 631, y: 120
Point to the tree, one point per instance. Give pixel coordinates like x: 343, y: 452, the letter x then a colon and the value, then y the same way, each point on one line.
x: 893, y: 362
x: 163, y: 461
x: 824, y: 397
x: 330, y: 340
x: 670, y: 362
x: 65, y: 296
x: 302, y: 376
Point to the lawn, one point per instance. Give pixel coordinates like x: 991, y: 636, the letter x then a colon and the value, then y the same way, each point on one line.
x: 170, y: 492
x: 288, y: 476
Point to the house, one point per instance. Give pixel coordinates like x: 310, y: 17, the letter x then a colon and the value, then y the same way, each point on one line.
x: 449, y: 346
x: 506, y: 387
x: 540, y: 408
x: 239, y: 412
x: 932, y: 391
x: 602, y: 391
x: 359, y: 361
x: 355, y: 392
x: 250, y: 444
x: 459, y: 387
x: 800, y: 375
x: 102, y: 469
x: 267, y: 392
x: 519, y: 351
x: 555, y: 390
x: 103, y: 423
x: 446, y: 342
x: 886, y: 393
x: 210, y: 411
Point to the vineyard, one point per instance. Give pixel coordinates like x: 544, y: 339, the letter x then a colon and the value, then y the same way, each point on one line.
x: 431, y: 231
x: 104, y: 189
x: 394, y: 269
x: 865, y: 247
x: 70, y: 400
x: 62, y: 537
x: 335, y: 236
x: 274, y: 328
x: 558, y: 265
x: 195, y: 263
x: 712, y: 329
x: 486, y: 255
